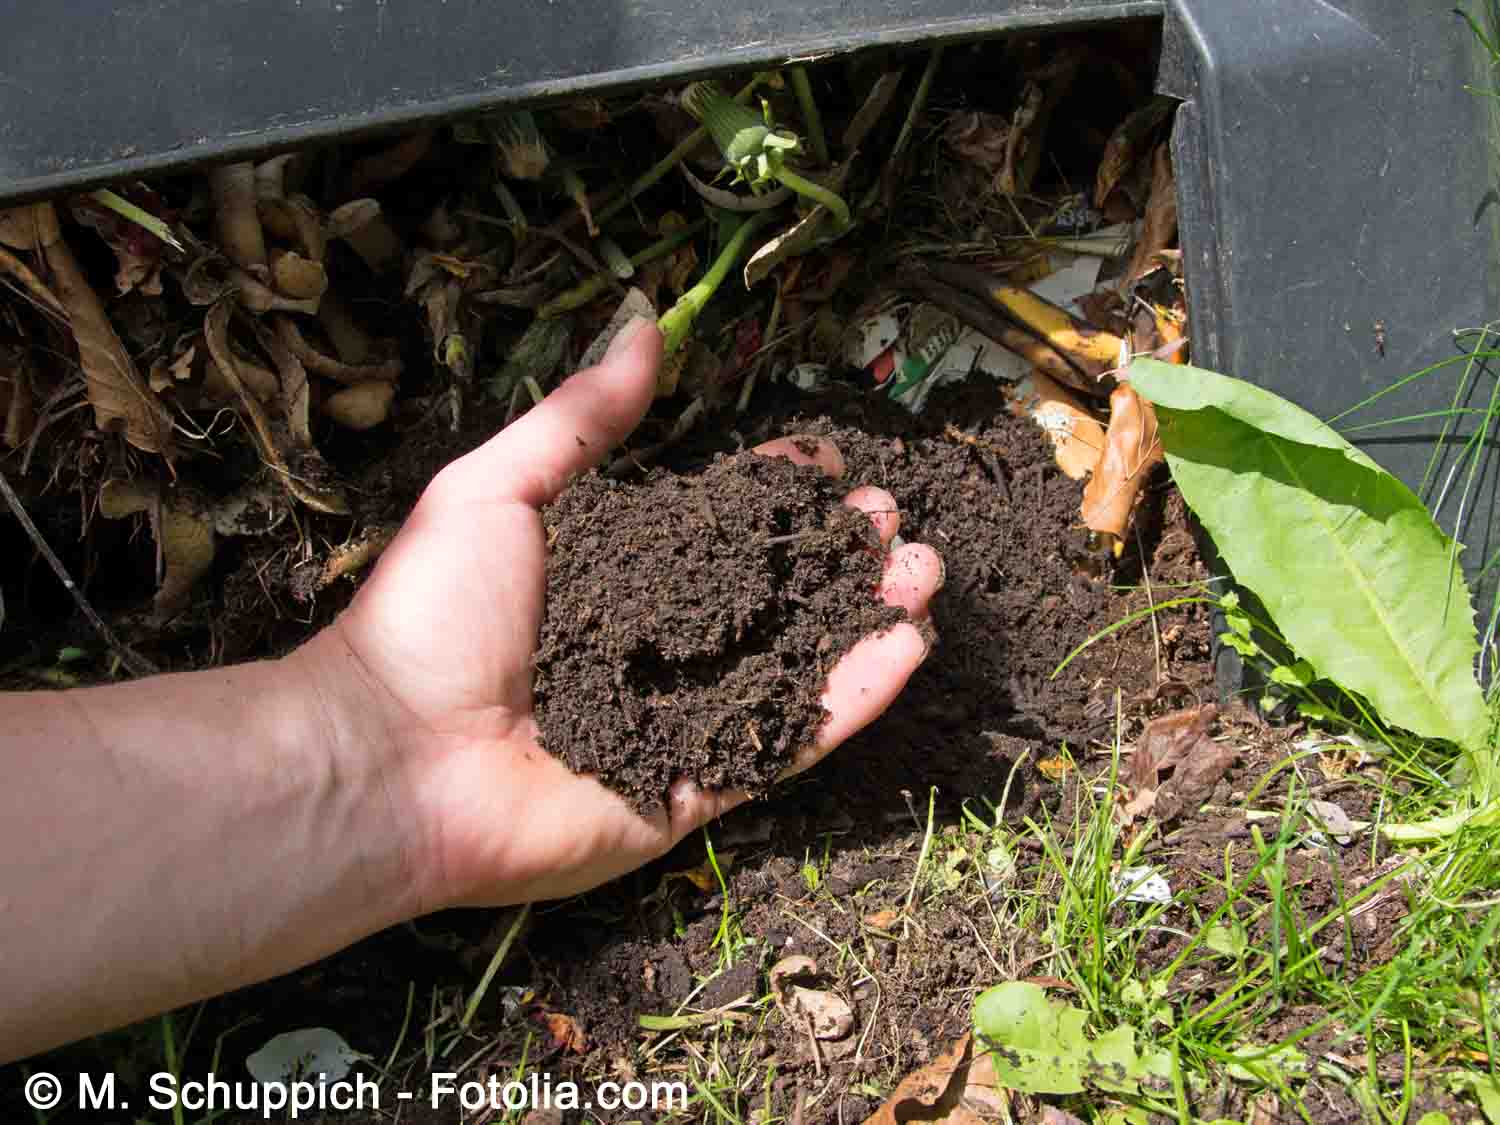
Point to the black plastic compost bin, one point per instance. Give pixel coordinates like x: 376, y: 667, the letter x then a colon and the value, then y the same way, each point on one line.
x: 1337, y: 196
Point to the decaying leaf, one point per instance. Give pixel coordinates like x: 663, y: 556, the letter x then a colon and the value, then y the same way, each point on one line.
x: 1026, y: 139
x: 1167, y: 741
x: 183, y: 527
x: 683, y: 263
x: 563, y: 1031
x: 121, y: 398
x: 983, y: 138
x: 1129, y: 143
x: 1077, y: 437
x: 1178, y: 742
x: 956, y: 1087
x: 882, y: 919
x: 1160, y: 227
x: 826, y: 1013
x: 1333, y: 820
x: 285, y: 444
x: 16, y: 397
x: 1132, y: 446
x: 138, y: 253
x: 800, y: 237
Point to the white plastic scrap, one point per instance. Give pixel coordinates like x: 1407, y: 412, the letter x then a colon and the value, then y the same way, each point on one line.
x: 310, y: 1054
x: 1332, y: 818
x: 1143, y: 884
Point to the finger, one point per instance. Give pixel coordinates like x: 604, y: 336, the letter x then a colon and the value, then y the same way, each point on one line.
x: 863, y: 684
x: 913, y: 574
x: 880, y: 506
x: 532, y: 459
x: 804, y: 449
x: 690, y: 807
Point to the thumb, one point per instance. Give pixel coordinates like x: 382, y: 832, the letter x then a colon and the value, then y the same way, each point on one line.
x: 533, y: 458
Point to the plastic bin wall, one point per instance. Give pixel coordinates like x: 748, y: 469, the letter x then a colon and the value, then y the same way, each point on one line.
x: 1333, y: 172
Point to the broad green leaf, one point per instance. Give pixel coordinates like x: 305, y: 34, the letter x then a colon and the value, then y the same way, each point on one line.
x: 1038, y: 1045
x: 1354, y: 572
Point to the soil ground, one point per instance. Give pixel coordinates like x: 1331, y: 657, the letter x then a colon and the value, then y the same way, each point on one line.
x: 984, y: 720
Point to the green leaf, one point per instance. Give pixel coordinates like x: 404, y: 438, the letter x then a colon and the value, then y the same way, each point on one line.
x: 1038, y: 1045
x: 1353, y: 571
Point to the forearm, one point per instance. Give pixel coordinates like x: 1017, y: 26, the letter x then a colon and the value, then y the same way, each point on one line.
x: 180, y: 836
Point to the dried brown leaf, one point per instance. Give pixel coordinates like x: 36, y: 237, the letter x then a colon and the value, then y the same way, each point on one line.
x: 1178, y: 742
x: 956, y: 1087
x: 121, y: 398
x: 1167, y: 741
x: 983, y: 138
x: 1159, y: 230
x: 1128, y: 143
x: 1132, y: 446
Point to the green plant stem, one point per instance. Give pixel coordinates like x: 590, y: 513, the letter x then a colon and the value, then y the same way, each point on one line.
x: 810, y: 115
x: 128, y: 210
x: 658, y: 170
x: 586, y: 290
x: 678, y: 320
x: 494, y: 966
x: 818, y: 194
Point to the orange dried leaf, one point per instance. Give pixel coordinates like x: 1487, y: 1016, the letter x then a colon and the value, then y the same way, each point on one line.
x: 563, y: 1031
x: 956, y: 1088
x: 1076, y: 435
x: 1132, y: 446
x: 1055, y: 769
x: 882, y: 919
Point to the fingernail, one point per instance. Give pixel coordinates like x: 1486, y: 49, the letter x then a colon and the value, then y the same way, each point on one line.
x: 625, y: 337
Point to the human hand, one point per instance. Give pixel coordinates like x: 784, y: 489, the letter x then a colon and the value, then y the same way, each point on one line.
x: 436, y: 652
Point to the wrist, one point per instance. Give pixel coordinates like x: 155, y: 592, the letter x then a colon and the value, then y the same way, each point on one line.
x: 354, y: 725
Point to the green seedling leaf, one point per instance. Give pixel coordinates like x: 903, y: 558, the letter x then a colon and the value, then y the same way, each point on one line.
x: 1488, y: 1093
x: 1039, y: 1046
x: 1276, y: 1067
x: 1352, y: 569
x: 1229, y: 940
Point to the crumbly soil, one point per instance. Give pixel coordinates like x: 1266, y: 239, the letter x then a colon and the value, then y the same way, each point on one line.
x: 691, y: 620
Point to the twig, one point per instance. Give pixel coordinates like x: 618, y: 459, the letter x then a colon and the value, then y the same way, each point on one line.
x: 133, y: 660
x: 1150, y: 599
x: 812, y: 1043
